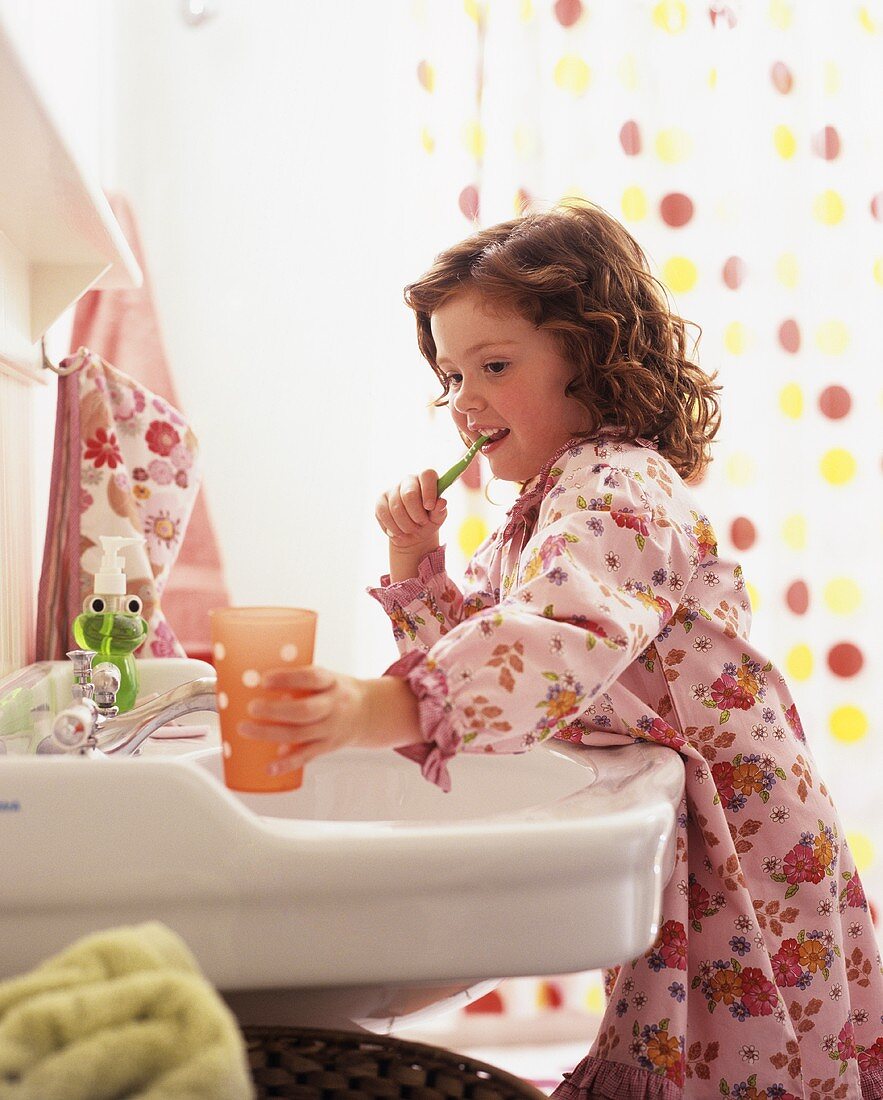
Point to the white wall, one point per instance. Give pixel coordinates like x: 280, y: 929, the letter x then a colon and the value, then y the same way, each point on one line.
x: 269, y: 175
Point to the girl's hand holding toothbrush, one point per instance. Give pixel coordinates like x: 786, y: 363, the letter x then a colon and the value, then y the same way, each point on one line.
x: 411, y: 513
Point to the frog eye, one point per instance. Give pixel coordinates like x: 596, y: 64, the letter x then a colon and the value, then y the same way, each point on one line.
x: 133, y: 605
x: 97, y: 604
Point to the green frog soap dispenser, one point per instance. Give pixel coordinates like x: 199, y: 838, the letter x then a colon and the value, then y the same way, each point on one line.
x: 111, y: 622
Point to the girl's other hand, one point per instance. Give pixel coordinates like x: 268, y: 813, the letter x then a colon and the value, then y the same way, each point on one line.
x: 411, y: 513
x: 328, y: 711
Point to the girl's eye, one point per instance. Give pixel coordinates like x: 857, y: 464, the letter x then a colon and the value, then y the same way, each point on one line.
x: 496, y: 367
x: 453, y: 380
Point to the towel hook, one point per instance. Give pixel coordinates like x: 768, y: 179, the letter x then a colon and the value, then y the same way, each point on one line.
x: 78, y: 361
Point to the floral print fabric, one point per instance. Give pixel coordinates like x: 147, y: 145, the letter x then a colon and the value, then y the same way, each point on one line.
x: 139, y: 475
x: 602, y: 612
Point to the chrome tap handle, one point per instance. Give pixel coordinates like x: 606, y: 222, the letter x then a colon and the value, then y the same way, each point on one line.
x: 106, y: 681
x: 82, y: 659
x: 73, y: 730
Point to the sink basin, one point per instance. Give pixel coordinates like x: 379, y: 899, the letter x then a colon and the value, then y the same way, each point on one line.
x: 361, y: 898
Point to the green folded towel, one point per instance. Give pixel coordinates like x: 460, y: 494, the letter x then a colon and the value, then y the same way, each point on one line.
x: 120, y: 1014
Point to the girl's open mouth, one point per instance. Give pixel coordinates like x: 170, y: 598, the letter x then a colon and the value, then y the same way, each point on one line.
x: 494, y: 442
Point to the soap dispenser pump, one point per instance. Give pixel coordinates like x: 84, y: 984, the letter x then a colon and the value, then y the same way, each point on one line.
x: 111, y: 622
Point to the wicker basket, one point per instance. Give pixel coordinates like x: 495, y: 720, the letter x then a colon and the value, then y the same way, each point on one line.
x: 318, y: 1064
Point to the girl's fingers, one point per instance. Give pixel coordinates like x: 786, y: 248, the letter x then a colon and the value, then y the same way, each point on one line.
x: 296, y: 759
x: 292, y: 712
x: 303, y: 678
x: 429, y: 489
x: 269, y: 731
x: 411, y: 497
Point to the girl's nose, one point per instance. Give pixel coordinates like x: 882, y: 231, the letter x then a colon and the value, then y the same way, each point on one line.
x: 467, y: 398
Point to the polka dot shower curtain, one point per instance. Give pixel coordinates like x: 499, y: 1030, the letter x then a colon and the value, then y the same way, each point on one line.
x: 741, y: 144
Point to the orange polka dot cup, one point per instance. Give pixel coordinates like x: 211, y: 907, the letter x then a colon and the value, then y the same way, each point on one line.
x: 246, y: 643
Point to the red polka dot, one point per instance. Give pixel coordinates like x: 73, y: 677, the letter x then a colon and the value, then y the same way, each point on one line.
x: 567, y: 12
x: 797, y: 597
x: 550, y: 995
x: 845, y: 659
x: 742, y: 533
x: 877, y: 206
x: 835, y: 402
x: 734, y: 272
x: 630, y: 138
x: 781, y: 77
x: 490, y: 1003
x: 826, y: 143
x: 789, y: 336
x: 722, y: 15
x: 676, y: 209
x: 469, y: 202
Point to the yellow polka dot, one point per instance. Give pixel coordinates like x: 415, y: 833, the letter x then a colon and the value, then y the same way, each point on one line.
x: 794, y: 532
x: 785, y: 142
x: 878, y: 271
x: 475, y: 9
x: 473, y: 531
x: 753, y: 596
x: 736, y: 338
x: 628, y: 72
x: 780, y: 14
x: 832, y: 338
x: 418, y: 11
x: 831, y: 78
x: 673, y: 145
x: 787, y: 270
x: 862, y: 848
x: 848, y: 723
x: 595, y: 999
x: 842, y: 595
x: 427, y: 140
x: 838, y: 466
x: 574, y: 193
x: 828, y: 208
x: 866, y: 20
x: 670, y: 16
x: 679, y: 274
x: 799, y: 662
x: 791, y: 401
x: 473, y: 139
x: 712, y: 78
x: 426, y: 75
x: 572, y: 74
x: 740, y: 468
x: 525, y: 11
x: 634, y: 204
x: 526, y: 143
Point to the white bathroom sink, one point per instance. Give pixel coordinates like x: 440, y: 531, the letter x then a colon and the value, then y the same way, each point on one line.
x: 366, y: 896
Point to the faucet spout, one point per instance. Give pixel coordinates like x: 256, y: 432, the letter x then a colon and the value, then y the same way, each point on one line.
x: 125, y: 733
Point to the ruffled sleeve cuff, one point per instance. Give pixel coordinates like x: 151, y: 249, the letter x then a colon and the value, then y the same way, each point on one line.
x: 399, y: 594
x: 440, y: 739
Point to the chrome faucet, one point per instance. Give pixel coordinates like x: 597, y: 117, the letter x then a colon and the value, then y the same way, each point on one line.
x: 92, y: 724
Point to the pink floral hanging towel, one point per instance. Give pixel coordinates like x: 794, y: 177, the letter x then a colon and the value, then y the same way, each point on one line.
x: 125, y: 463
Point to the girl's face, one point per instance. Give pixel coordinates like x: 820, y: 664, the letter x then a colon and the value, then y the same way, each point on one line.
x: 505, y: 376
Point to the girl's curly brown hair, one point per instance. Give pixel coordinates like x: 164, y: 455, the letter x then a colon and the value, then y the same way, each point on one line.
x: 579, y: 275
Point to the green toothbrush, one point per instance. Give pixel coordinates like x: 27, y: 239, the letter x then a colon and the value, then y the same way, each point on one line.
x: 448, y: 479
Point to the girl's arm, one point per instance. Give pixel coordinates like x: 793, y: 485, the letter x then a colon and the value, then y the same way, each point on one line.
x: 591, y: 597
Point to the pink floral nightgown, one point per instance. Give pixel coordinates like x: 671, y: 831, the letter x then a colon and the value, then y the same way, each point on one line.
x: 602, y: 607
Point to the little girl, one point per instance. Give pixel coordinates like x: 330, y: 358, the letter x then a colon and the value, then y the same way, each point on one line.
x: 601, y: 611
